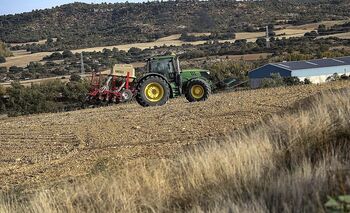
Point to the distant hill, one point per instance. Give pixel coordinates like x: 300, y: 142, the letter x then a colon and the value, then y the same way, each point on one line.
x: 80, y: 25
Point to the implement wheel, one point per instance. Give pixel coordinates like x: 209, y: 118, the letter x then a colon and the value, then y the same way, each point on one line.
x: 152, y: 91
x: 126, y: 95
x: 197, y: 90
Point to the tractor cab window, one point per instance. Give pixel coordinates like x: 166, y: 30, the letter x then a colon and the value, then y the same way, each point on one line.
x: 162, y: 66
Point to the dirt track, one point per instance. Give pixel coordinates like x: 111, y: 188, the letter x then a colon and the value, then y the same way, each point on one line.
x: 43, y: 149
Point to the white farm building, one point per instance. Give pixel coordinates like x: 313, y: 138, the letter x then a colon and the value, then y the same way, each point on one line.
x: 317, y: 71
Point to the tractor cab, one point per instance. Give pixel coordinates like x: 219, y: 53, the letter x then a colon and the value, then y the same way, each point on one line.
x: 167, y: 66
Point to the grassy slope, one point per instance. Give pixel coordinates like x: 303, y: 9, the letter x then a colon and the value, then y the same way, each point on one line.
x: 284, y: 164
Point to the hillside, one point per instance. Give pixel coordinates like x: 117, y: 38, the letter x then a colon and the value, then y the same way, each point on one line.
x: 81, y: 25
x: 51, y: 148
x: 111, y: 159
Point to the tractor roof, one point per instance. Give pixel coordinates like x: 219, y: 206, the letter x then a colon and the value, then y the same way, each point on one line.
x: 163, y: 57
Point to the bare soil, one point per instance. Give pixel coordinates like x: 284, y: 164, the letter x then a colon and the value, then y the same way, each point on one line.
x: 46, y: 149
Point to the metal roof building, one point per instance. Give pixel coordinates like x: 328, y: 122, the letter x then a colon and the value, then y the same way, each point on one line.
x: 317, y: 71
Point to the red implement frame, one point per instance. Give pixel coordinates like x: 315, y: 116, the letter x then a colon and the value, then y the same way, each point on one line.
x: 114, y: 93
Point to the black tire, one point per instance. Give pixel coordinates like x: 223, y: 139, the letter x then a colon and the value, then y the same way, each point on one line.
x: 197, y: 82
x: 141, y: 97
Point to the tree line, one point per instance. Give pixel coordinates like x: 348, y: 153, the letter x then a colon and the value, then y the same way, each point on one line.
x: 87, y: 25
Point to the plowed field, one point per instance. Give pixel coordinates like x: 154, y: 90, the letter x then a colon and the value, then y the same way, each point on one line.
x: 48, y: 148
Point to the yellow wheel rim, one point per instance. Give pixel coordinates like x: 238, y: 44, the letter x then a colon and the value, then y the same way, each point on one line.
x: 197, y: 91
x: 154, y: 92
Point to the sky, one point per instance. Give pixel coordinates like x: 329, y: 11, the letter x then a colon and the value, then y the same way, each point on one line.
x: 20, y: 6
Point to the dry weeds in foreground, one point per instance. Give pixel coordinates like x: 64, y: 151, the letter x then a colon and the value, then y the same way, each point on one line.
x: 288, y: 163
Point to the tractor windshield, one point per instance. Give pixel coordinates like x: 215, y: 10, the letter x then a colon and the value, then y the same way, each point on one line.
x: 162, y: 66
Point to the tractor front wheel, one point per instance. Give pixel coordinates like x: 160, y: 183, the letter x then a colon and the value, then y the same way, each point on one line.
x: 197, y: 90
x: 152, y: 91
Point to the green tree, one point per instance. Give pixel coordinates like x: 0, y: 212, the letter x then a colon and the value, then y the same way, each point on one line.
x: 15, y: 69
x: 67, y: 54
x: 261, y: 42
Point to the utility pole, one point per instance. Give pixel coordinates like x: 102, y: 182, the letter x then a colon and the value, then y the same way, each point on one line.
x: 82, y: 64
x: 267, y: 37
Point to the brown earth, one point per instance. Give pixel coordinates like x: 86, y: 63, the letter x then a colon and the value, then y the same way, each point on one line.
x: 338, y: 35
x: 48, y: 148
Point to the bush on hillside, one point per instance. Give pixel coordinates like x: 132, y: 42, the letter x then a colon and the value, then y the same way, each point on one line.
x: 307, y: 81
x: 3, y: 70
x: 53, y: 56
x: 334, y: 77
x: 289, y: 81
x: 275, y: 81
x: 344, y: 77
x: 231, y: 69
x: 15, y: 69
x: 2, y: 59
x: 53, y: 96
x: 75, y: 77
x: 4, y: 52
x: 67, y: 54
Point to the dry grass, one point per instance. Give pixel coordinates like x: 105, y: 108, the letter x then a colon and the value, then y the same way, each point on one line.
x: 312, y: 26
x: 35, y: 42
x: 338, y: 35
x: 279, y: 165
x: 22, y: 60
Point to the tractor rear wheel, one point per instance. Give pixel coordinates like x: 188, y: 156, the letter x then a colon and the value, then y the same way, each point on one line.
x: 197, y: 90
x: 152, y: 91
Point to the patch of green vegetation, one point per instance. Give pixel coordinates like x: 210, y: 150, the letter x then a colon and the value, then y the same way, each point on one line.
x: 53, y: 96
x: 338, y: 204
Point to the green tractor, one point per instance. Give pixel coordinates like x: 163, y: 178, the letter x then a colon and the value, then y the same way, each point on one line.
x: 164, y: 79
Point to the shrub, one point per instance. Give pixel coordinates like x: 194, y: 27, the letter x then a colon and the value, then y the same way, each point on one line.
x: 334, y: 77
x: 289, y: 81
x: 344, y: 77
x: 52, y: 96
x: 307, y: 81
x: 15, y: 69
x: 2, y: 59
x: 67, y: 54
x: 275, y: 81
x: 2, y: 91
x: 3, y: 70
x: 54, y: 56
x: 338, y: 204
x: 75, y: 77
x: 231, y: 69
